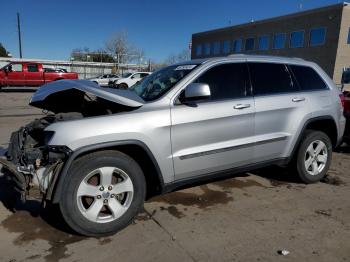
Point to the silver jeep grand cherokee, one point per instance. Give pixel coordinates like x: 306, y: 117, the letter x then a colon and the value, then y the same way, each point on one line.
x: 101, y: 153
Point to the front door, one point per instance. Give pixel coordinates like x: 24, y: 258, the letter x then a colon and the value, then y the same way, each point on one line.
x: 216, y: 134
x: 15, y: 75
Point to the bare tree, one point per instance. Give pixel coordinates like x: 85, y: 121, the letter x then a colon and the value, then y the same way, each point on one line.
x: 184, y: 55
x: 119, y: 46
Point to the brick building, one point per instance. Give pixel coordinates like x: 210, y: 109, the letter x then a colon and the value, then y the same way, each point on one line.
x: 321, y: 35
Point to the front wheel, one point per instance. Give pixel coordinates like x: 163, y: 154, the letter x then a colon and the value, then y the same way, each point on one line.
x: 313, y: 156
x: 104, y: 191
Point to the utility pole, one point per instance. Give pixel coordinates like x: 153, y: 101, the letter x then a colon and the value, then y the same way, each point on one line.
x: 19, y: 36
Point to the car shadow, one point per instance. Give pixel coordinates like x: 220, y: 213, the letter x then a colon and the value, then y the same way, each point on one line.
x: 344, y: 149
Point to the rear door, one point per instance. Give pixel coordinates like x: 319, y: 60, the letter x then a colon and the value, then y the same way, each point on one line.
x: 15, y: 75
x: 280, y: 108
x: 33, y: 75
x: 217, y: 134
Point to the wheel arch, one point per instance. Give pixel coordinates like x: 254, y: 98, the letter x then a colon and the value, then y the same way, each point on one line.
x: 325, y: 124
x: 133, y: 148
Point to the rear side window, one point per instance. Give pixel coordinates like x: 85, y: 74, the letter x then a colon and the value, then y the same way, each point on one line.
x: 269, y: 78
x: 308, y: 78
x: 32, y: 68
x: 226, y: 81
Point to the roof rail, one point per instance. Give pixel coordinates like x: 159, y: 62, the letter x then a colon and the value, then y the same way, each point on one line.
x: 262, y: 56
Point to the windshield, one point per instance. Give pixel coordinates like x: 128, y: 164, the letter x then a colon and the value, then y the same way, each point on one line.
x: 125, y: 75
x: 161, y: 81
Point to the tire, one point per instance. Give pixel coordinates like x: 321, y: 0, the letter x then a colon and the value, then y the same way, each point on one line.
x: 75, y: 204
x: 95, y: 83
x: 308, y: 162
x: 123, y: 86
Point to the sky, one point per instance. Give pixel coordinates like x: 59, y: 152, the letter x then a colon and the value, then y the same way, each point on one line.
x: 51, y: 29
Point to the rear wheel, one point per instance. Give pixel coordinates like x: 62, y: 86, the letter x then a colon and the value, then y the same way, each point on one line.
x: 103, y: 193
x: 313, y: 156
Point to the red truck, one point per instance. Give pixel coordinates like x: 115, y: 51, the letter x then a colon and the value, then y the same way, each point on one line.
x: 29, y: 74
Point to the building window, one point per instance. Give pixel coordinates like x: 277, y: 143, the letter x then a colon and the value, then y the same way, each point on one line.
x: 297, y: 39
x: 199, y: 50
x: 207, y: 49
x: 317, y: 36
x: 264, y: 42
x: 279, y: 41
x: 216, y: 47
x: 249, y: 44
x: 226, y: 47
x: 237, y: 45
x: 349, y: 37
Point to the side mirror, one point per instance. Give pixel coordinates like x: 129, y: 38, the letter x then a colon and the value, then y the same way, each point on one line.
x: 197, y: 91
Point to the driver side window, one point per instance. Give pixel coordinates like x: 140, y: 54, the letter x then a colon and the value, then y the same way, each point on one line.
x: 226, y: 81
x: 16, y: 68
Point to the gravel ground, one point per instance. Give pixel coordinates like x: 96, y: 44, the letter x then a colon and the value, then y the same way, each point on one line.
x: 250, y: 217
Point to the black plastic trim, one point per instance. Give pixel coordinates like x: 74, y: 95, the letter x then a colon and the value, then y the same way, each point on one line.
x: 99, y: 146
x: 219, y: 175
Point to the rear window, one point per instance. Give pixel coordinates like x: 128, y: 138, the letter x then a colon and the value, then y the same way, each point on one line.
x: 308, y: 78
x: 270, y: 78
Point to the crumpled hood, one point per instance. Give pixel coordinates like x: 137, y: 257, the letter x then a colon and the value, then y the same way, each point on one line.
x: 46, y: 93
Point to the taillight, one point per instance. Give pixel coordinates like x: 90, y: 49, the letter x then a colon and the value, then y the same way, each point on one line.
x: 342, y: 100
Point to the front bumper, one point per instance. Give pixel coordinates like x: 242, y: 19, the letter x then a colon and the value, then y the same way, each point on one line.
x: 19, y: 180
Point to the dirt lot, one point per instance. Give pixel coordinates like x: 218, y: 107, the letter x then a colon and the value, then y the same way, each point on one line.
x: 249, y: 217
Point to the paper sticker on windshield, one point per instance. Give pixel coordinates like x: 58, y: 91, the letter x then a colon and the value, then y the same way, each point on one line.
x: 185, y: 67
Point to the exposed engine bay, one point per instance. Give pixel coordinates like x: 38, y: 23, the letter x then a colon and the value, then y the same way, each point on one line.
x: 30, y: 160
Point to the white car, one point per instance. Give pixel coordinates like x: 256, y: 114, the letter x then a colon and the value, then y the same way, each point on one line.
x: 129, y: 79
x: 103, y: 80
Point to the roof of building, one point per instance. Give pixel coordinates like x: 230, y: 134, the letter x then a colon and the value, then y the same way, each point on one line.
x: 277, y: 18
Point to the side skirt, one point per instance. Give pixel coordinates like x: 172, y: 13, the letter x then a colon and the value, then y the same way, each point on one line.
x: 219, y: 175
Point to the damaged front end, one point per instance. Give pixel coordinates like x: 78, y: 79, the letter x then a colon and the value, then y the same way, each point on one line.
x: 31, y: 161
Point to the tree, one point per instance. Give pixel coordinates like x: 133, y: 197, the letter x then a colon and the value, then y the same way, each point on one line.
x: 3, y: 51
x: 184, y: 55
x: 120, y: 48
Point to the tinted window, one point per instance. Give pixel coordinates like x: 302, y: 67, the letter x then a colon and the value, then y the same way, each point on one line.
x: 297, y: 39
x: 346, y: 77
x: 226, y: 81
x: 264, y: 42
x: 32, y: 68
x: 279, y: 41
x: 249, y: 44
x: 349, y: 37
x: 307, y: 78
x: 198, y: 50
x: 268, y: 78
x: 237, y: 45
x: 207, y: 49
x: 317, y: 36
x: 226, y: 47
x: 216, y: 48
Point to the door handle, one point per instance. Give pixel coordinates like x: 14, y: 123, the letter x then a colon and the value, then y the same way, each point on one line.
x: 298, y: 99
x: 241, y: 106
